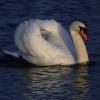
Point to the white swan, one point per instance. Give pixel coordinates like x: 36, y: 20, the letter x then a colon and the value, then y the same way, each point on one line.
x: 46, y: 42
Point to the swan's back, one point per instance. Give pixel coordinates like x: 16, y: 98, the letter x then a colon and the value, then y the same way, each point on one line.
x: 56, y: 48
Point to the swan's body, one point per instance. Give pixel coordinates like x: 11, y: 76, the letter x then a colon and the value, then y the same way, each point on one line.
x: 46, y: 42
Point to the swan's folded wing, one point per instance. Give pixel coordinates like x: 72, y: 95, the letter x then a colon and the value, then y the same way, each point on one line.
x: 31, y: 42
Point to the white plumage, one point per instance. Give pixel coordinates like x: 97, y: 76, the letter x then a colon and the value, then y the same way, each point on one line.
x: 45, y: 42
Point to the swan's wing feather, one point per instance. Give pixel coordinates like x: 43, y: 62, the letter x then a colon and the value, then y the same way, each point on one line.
x: 15, y: 54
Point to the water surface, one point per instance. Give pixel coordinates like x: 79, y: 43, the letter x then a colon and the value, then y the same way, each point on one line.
x: 22, y: 81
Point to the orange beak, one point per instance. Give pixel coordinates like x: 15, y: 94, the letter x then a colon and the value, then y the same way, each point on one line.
x: 84, y: 35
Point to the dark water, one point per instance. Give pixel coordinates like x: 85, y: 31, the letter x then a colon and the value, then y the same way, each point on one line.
x: 22, y: 81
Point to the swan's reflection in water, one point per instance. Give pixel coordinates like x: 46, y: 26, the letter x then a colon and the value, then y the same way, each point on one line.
x: 57, y: 82
x: 80, y: 83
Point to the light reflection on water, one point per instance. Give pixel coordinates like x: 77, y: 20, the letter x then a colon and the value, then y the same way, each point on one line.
x: 56, y: 82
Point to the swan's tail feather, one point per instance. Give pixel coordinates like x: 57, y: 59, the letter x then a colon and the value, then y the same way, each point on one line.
x: 15, y: 54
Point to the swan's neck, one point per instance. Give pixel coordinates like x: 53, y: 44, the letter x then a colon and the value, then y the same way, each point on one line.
x: 82, y: 56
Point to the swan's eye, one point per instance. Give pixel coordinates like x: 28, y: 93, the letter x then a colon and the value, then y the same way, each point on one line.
x: 83, y: 33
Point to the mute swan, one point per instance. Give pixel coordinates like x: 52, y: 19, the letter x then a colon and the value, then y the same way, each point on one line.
x: 46, y: 42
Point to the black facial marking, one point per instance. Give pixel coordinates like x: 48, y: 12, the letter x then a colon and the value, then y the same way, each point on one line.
x: 84, y: 29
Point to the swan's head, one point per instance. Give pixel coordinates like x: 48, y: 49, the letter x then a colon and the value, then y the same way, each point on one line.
x: 80, y: 28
